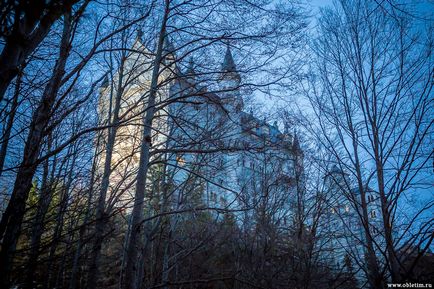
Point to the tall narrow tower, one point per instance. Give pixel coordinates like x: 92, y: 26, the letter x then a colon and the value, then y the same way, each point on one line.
x: 298, y: 157
x: 230, y: 81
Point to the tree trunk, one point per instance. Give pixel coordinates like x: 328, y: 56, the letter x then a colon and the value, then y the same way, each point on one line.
x: 13, y: 55
x: 82, y: 231
x: 28, y: 32
x: 10, y: 123
x: 374, y: 276
x: 12, y: 218
x: 38, y: 224
x: 135, y: 240
x: 57, y: 235
x: 101, y: 213
x: 387, y: 223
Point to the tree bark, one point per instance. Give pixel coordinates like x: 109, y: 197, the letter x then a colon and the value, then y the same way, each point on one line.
x: 375, y: 278
x: 27, y: 33
x: 101, y: 213
x: 38, y: 224
x: 135, y: 240
x: 385, y: 212
x: 10, y: 225
x: 83, y: 226
x: 10, y: 123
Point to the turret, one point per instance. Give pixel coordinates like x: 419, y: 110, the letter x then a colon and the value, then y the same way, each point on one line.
x: 296, y: 149
x: 169, y: 58
x: 336, y: 178
x: 190, y: 73
x: 298, y: 155
x: 230, y: 81
x: 168, y: 49
x: 139, y: 35
x: 229, y: 69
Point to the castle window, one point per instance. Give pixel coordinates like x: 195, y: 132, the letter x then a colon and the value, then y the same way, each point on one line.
x: 373, y: 214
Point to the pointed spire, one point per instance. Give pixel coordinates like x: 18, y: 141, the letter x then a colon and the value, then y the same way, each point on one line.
x: 190, y: 68
x: 229, y: 68
x: 168, y: 46
x: 230, y: 81
x: 228, y: 62
x: 296, y: 144
x: 190, y: 72
x: 139, y: 35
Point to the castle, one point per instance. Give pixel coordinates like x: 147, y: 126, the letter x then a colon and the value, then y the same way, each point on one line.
x: 201, y: 138
x: 208, y: 152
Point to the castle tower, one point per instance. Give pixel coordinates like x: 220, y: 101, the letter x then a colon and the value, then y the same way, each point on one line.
x: 298, y: 154
x: 168, y: 51
x: 190, y: 73
x: 337, y: 179
x: 132, y: 100
x: 230, y: 81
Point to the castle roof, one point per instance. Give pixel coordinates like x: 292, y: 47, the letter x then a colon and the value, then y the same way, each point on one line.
x: 263, y: 129
x: 336, y: 170
x: 228, y: 62
x: 228, y: 66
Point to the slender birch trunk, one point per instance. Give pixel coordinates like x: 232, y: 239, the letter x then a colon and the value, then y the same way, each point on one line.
x: 101, y: 217
x: 135, y: 240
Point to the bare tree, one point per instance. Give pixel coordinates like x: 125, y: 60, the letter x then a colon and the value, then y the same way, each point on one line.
x: 80, y: 222
x: 23, y: 27
x: 371, y: 98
